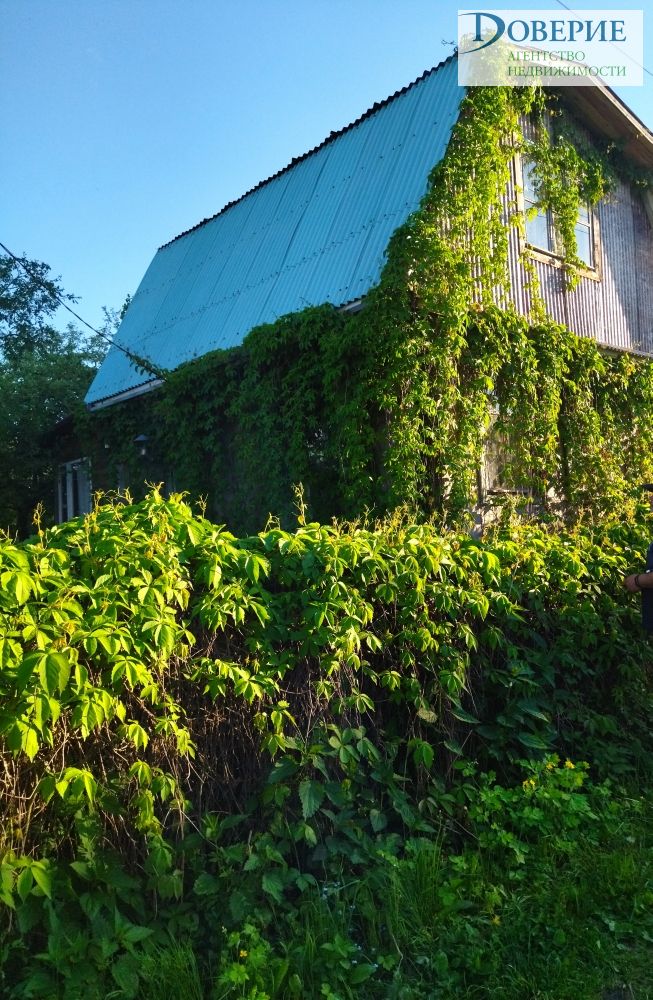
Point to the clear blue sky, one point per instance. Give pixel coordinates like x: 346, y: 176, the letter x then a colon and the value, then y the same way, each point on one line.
x: 124, y: 122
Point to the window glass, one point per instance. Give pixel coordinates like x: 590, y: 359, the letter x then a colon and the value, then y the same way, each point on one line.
x: 73, y: 489
x: 584, y: 237
x: 540, y: 230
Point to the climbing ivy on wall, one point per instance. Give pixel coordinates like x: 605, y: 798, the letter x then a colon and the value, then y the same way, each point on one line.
x: 393, y: 405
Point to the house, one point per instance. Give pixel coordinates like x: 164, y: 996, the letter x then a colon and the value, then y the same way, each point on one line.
x: 317, y: 233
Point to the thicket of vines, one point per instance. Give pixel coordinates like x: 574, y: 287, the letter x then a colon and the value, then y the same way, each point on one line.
x: 316, y: 692
x: 392, y: 405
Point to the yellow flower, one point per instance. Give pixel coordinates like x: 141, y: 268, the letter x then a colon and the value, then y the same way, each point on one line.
x: 242, y: 953
x: 496, y: 920
x: 569, y: 764
x: 550, y: 765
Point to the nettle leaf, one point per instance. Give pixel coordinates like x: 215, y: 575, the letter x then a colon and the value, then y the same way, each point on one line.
x: 273, y: 884
x: 137, y: 933
x: 125, y: 973
x: 283, y: 769
x: 206, y: 885
x: 311, y: 794
x: 309, y: 835
x: 532, y: 708
x: 360, y: 973
x: 7, y: 884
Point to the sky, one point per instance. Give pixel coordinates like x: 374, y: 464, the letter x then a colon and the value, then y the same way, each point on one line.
x: 125, y: 122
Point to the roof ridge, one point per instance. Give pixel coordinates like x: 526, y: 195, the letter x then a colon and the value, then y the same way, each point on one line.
x: 330, y: 138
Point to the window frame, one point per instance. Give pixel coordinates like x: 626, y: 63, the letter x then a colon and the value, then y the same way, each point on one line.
x: 73, y: 492
x: 554, y: 255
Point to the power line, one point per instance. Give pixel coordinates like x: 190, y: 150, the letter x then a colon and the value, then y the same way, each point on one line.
x: 572, y: 11
x: 140, y: 362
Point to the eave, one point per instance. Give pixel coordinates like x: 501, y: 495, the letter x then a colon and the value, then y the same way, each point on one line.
x: 605, y: 114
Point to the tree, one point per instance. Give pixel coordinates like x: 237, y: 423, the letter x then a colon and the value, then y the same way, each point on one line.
x: 44, y: 373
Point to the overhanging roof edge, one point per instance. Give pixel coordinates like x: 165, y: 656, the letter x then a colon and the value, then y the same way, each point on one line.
x: 120, y: 397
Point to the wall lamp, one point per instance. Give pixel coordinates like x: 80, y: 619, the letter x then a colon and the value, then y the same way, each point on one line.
x: 141, y: 442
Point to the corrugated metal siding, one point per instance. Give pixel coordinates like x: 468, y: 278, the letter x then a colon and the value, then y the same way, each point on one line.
x: 644, y: 270
x: 315, y: 233
x: 518, y: 286
x: 618, y: 287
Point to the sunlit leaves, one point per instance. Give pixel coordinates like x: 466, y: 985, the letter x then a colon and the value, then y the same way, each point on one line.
x: 136, y: 734
x: 18, y: 584
x: 137, y: 645
x: 54, y: 671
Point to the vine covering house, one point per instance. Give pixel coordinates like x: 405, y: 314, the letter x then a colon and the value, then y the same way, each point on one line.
x: 451, y: 268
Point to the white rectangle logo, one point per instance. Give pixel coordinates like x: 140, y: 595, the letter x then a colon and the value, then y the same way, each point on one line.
x: 556, y: 48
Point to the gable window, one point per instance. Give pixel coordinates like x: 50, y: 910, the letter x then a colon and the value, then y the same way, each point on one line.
x: 584, y: 235
x: 73, y: 489
x: 540, y: 227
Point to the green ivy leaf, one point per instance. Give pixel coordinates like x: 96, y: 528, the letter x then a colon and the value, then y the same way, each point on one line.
x: 24, y: 883
x: 459, y: 712
x: 26, y: 669
x: 54, y: 672
x: 42, y: 877
x: 532, y: 741
x: 30, y: 742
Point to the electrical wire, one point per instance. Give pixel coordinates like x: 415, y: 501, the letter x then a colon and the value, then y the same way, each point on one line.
x: 141, y: 362
x: 573, y: 11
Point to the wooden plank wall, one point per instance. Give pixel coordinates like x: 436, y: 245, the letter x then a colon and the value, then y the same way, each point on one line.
x: 617, y: 309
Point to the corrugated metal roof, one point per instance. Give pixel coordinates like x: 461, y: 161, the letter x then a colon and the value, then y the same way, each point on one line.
x: 315, y: 232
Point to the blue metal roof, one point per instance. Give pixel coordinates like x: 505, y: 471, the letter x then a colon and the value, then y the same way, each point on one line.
x: 315, y: 232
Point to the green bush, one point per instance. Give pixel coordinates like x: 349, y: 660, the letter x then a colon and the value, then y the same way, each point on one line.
x: 252, y: 745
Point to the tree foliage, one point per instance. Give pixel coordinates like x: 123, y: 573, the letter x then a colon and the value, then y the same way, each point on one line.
x: 44, y: 373
x: 29, y: 298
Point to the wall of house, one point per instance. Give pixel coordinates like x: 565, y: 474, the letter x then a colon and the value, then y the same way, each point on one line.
x: 614, y: 306
x: 358, y: 408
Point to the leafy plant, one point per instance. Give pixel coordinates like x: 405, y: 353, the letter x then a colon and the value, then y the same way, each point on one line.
x: 232, y: 743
